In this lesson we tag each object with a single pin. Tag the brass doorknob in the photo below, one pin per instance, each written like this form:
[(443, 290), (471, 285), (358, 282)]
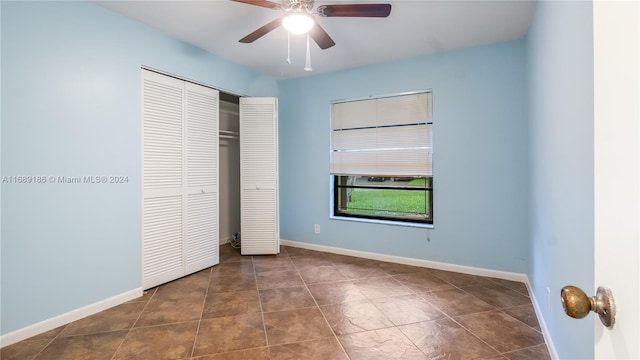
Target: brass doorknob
[(577, 304)]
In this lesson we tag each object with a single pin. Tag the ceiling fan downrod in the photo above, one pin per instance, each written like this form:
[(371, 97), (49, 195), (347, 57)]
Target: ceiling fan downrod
[(307, 64)]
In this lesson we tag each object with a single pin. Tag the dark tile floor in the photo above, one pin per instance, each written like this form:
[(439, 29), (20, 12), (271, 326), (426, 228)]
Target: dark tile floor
[(304, 304)]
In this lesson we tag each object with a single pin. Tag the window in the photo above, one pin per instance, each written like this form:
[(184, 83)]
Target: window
[(381, 158)]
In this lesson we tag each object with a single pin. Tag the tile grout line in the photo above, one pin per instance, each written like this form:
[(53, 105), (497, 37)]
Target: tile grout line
[(413, 292), (500, 309), (155, 289), (524, 348), (459, 324), (468, 330), (49, 343), (264, 323), (213, 294), (387, 275), (451, 317), (480, 312), (204, 301), (418, 295), (335, 337)]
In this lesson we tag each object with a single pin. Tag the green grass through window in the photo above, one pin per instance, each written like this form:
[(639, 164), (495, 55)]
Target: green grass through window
[(389, 202)]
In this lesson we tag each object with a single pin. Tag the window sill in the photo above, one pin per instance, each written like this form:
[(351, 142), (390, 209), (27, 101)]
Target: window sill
[(383, 222)]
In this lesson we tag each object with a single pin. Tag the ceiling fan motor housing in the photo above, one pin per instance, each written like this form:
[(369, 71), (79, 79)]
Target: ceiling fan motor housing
[(298, 5)]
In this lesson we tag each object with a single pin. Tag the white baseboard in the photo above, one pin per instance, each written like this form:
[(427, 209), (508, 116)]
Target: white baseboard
[(543, 325), (73, 315), (410, 261), (441, 266)]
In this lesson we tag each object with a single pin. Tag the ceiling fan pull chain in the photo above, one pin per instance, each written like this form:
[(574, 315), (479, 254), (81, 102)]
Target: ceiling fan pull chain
[(288, 48), (307, 65)]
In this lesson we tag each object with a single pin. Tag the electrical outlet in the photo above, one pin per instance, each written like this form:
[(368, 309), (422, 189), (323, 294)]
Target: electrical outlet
[(548, 298), (316, 228)]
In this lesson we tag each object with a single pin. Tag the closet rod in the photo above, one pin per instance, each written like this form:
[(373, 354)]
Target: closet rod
[(229, 137), (226, 132)]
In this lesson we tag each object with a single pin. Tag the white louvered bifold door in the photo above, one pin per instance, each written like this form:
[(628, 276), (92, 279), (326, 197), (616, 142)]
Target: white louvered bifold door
[(259, 229), (179, 178), (201, 214), (162, 179)]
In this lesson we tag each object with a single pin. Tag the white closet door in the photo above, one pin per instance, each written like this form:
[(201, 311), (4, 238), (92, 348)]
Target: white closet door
[(201, 213), (180, 178), (259, 227), (162, 179)]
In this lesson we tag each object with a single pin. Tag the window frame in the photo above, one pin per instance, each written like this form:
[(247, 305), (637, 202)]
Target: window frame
[(335, 205)]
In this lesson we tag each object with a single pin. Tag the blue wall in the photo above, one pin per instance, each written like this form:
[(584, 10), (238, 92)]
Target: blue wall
[(480, 157), (560, 62), (71, 107)]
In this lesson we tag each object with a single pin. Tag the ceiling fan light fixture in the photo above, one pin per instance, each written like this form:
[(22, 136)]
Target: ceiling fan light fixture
[(298, 23)]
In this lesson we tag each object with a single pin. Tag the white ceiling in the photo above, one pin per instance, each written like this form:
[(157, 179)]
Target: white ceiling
[(413, 28)]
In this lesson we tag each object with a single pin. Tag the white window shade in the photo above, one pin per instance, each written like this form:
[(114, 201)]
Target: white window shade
[(385, 136), (404, 109), (353, 114)]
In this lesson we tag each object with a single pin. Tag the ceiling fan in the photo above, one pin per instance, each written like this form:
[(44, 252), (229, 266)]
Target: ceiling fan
[(299, 18)]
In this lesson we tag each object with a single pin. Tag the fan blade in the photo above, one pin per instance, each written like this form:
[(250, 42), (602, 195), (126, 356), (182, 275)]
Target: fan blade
[(321, 37), (355, 10), (263, 3), (261, 31)]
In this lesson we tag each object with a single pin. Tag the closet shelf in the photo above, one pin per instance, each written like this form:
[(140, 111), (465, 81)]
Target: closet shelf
[(229, 134)]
